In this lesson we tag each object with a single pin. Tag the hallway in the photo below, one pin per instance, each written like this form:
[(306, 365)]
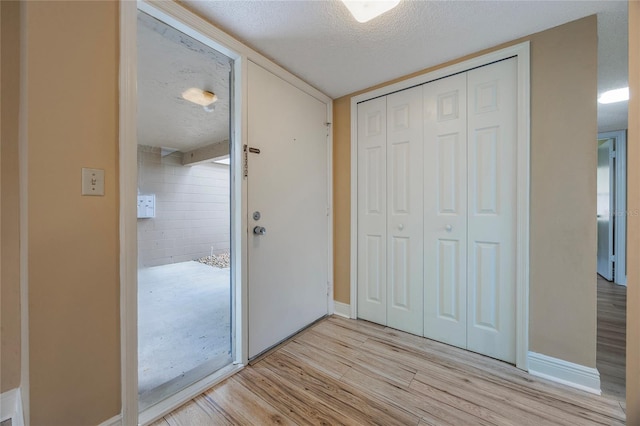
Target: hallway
[(610, 357)]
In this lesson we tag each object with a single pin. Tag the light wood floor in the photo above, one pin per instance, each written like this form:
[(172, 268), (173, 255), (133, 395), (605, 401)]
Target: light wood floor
[(351, 372), (612, 321)]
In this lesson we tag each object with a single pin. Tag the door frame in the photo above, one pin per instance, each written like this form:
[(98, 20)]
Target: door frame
[(619, 214), (522, 52), (178, 17)]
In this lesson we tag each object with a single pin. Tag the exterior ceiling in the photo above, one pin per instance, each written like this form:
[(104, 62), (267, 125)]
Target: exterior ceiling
[(320, 42), (170, 62)]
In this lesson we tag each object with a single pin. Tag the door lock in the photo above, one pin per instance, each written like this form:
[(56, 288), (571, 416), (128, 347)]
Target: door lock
[(259, 230)]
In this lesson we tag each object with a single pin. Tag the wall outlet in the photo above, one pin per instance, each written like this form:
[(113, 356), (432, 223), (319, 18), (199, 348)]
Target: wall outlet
[(92, 181)]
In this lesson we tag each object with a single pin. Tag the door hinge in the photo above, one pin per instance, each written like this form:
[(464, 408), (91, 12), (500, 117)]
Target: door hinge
[(245, 162), (612, 154), (612, 258), (328, 211)]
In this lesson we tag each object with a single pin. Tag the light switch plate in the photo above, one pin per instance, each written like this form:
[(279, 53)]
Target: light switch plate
[(92, 181)]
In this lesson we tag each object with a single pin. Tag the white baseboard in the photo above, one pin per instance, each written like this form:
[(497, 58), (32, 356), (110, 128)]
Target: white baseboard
[(342, 309), (565, 372), (113, 421), (11, 407)]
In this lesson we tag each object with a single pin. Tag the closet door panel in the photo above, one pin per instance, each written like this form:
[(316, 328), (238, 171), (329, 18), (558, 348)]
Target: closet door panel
[(404, 212), (372, 211), (445, 210), (492, 209)]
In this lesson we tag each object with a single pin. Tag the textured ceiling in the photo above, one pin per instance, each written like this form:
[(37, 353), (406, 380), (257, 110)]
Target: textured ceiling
[(320, 42), (170, 62)]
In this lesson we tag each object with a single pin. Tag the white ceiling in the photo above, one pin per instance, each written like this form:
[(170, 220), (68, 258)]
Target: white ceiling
[(321, 43), (170, 62)]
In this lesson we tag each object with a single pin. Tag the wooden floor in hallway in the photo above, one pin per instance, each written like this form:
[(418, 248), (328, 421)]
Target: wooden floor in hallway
[(612, 327), (350, 372)]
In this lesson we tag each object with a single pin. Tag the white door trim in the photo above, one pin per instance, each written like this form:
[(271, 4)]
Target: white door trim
[(180, 18), (128, 211), (521, 51)]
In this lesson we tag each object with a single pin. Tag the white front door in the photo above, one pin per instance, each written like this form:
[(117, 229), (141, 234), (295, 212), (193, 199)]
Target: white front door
[(287, 186), (491, 240)]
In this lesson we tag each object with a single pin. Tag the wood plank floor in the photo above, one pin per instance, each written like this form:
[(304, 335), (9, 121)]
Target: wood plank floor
[(350, 372), (612, 326)]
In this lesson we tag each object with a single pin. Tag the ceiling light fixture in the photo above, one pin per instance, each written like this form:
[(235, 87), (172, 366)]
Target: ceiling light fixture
[(617, 95), (200, 97), (365, 11)]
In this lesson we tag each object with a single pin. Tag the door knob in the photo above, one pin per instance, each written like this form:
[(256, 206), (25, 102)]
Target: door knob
[(401, 227), (449, 228), (259, 230)]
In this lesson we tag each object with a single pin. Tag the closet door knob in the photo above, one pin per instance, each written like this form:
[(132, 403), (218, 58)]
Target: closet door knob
[(401, 227), (449, 228)]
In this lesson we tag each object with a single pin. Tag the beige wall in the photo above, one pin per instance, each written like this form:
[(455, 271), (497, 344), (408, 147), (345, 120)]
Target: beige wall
[(341, 198), (72, 122), (563, 191), (633, 229), (9, 226)]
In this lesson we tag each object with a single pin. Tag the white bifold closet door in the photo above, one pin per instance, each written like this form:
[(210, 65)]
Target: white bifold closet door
[(445, 210), (390, 218), (491, 247), (437, 210), (372, 210), (470, 210)]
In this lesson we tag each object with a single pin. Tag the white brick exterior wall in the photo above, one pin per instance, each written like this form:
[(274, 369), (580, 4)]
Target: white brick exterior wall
[(192, 209)]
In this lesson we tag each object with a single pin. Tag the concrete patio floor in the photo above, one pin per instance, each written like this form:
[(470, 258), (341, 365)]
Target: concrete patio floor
[(184, 322)]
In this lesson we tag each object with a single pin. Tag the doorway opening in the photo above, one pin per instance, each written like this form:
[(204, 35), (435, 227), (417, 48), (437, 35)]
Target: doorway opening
[(185, 327), (611, 205), (611, 263)]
